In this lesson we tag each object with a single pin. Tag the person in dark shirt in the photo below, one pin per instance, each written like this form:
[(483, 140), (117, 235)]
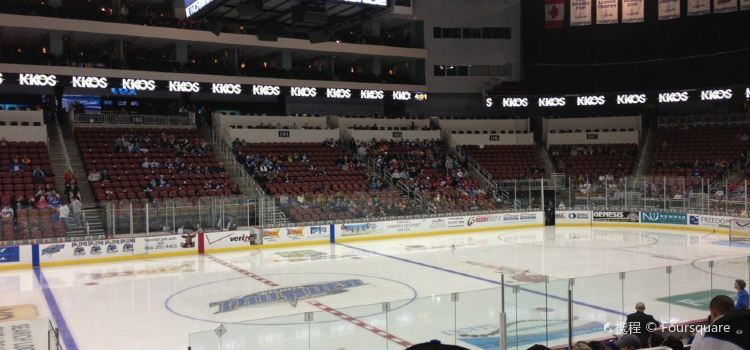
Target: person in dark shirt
[(742, 299), (641, 324)]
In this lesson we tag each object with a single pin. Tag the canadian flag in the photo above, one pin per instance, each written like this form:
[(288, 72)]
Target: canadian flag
[(554, 14)]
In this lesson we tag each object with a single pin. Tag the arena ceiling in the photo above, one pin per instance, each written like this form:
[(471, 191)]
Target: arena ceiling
[(296, 18)]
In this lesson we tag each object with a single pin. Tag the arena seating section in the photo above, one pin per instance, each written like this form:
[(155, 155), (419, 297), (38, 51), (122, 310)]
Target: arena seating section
[(322, 157), (702, 151), (29, 222), (421, 167), (507, 162), (126, 177), (594, 160), (320, 187)]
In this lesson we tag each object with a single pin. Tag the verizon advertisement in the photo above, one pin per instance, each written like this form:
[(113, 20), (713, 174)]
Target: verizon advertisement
[(715, 222), (231, 239)]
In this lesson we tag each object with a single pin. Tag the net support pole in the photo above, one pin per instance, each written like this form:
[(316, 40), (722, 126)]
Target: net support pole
[(664, 190), (606, 193), (502, 291), (541, 189), (745, 196), (148, 221), (726, 195), (570, 313), (503, 332)]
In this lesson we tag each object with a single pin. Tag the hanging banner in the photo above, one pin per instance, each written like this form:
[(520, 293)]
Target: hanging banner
[(744, 5), (607, 11), (632, 11), (698, 7), (724, 6), (669, 9), (580, 13), (554, 14)]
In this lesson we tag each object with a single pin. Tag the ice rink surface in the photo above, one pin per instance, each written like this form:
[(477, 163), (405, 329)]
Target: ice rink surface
[(387, 294)]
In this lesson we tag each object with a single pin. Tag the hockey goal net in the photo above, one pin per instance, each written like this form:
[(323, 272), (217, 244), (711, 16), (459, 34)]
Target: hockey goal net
[(739, 230)]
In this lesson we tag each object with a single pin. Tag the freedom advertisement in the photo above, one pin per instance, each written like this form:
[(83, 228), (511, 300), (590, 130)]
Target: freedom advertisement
[(86, 249), (664, 218), (572, 217), (709, 221), (616, 216)]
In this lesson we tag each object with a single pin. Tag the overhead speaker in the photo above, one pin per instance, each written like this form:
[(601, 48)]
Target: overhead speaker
[(319, 37), (217, 27), (312, 16), (249, 8), (270, 31)]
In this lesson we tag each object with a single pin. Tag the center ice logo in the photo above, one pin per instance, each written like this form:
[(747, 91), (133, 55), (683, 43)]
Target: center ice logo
[(287, 294)]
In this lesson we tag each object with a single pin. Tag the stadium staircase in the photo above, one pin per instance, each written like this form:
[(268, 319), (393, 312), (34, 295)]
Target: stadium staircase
[(271, 212), (646, 152), (64, 155), (549, 168)]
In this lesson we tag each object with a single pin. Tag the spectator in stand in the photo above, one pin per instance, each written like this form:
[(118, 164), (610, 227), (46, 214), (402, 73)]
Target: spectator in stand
[(55, 201), (38, 175), (94, 176), (41, 203), (538, 347), (629, 342), (68, 176), (15, 165), (7, 212), (722, 313), (64, 213), (742, 295), (641, 324), (673, 343), (163, 181), (71, 188), (656, 339), (76, 209)]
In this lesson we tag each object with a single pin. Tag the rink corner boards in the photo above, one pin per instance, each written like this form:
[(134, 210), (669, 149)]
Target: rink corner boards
[(724, 231), (154, 247)]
